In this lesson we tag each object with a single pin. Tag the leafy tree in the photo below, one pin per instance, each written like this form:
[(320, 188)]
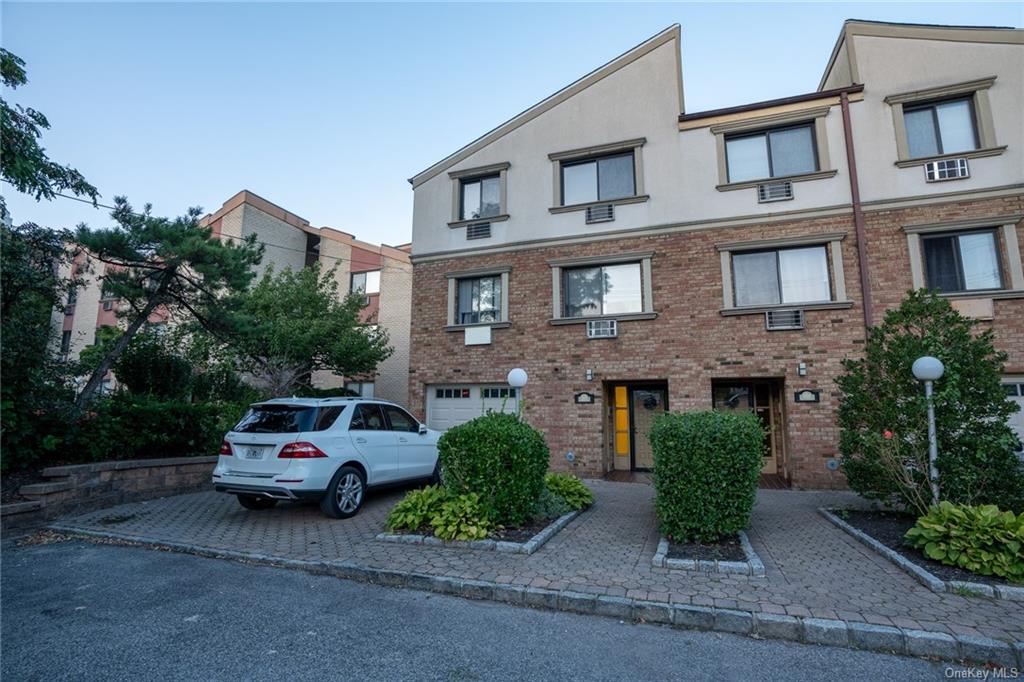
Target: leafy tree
[(883, 412), (35, 396), (291, 324), (24, 164), (161, 264), (151, 365)]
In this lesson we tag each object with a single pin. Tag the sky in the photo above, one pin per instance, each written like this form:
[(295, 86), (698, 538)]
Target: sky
[(327, 109)]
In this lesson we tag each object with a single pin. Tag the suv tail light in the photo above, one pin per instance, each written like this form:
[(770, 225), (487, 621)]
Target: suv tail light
[(301, 450), (225, 449)]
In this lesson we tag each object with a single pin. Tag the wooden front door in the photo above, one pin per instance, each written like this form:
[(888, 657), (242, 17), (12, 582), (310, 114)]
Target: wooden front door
[(633, 408), (755, 396)]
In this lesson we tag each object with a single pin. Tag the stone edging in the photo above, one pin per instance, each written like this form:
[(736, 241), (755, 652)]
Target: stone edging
[(829, 632), (528, 547), (753, 566), (923, 576)]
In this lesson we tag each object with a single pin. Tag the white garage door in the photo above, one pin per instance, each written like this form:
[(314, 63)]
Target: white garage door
[(1014, 387), (454, 404)]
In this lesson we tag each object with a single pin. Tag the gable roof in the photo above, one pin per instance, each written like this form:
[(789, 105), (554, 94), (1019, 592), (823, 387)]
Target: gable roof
[(886, 29), (669, 34)]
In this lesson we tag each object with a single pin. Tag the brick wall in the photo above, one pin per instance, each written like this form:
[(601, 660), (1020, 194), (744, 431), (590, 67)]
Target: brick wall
[(689, 344)]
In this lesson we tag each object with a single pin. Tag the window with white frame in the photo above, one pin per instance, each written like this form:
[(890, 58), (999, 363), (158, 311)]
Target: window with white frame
[(598, 179), (366, 282), (602, 290), (962, 261), (361, 388), (779, 152), (796, 275), (480, 197), (936, 128), (479, 299)]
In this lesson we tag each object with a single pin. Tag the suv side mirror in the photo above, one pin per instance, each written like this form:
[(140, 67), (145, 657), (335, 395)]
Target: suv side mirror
[(423, 429)]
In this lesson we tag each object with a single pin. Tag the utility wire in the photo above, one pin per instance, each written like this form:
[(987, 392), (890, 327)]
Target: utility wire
[(229, 236)]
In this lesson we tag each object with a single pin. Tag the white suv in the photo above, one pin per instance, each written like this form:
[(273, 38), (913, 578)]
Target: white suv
[(328, 449)]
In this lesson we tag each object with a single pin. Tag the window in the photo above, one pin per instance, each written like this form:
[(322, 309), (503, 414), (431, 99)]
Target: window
[(498, 392), (968, 261), (287, 419), (400, 420), (360, 388), (598, 179), (65, 344), (367, 417), (327, 417), (481, 198), (602, 290), (771, 153), (479, 300), (798, 275), (452, 393), (940, 127), (366, 282)]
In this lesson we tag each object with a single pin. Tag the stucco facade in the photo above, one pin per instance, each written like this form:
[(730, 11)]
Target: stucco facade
[(691, 341)]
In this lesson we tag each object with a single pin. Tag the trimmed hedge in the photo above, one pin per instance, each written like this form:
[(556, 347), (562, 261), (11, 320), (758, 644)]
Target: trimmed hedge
[(706, 467), (501, 458)]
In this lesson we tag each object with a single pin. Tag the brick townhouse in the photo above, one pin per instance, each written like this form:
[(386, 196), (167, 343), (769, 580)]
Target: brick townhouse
[(382, 272), (634, 257)]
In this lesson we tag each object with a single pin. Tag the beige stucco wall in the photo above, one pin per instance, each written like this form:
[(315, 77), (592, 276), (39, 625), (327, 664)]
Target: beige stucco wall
[(285, 244), (394, 315), (928, 64), (639, 100)]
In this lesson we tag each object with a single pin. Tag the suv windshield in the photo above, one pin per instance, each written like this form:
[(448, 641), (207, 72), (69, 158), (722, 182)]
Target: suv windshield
[(287, 418)]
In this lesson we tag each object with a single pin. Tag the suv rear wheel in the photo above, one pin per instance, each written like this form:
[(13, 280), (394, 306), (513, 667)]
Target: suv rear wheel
[(256, 502), (345, 495)]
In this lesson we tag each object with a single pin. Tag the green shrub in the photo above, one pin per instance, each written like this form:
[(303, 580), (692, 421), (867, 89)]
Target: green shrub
[(417, 508), (549, 505), (570, 489), (151, 364), (462, 517), (980, 539), (706, 467), (499, 457), (879, 395), (125, 426)]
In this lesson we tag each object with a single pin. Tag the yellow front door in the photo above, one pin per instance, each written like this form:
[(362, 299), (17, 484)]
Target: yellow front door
[(633, 411)]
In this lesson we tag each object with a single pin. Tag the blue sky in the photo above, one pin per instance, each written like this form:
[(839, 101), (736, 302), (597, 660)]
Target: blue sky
[(326, 109)]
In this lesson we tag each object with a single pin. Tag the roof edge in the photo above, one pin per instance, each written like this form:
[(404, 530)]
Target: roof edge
[(667, 35), (765, 104)]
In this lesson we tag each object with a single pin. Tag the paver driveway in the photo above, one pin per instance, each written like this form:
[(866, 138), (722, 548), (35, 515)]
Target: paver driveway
[(813, 569)]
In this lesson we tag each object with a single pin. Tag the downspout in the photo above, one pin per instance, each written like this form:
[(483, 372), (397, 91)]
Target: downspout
[(858, 213)]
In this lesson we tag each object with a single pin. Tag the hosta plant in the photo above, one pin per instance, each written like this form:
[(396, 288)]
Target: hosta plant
[(462, 517), (417, 508), (980, 539), (570, 489)]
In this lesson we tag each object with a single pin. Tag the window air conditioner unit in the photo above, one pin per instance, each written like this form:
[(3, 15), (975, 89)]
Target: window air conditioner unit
[(602, 329), (478, 231), (602, 213), (776, 320), (946, 169), (774, 191)]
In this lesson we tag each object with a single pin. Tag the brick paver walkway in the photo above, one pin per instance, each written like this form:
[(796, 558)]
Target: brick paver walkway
[(813, 568)]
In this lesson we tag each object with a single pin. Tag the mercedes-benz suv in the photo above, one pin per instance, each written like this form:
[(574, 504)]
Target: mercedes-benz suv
[(329, 450)]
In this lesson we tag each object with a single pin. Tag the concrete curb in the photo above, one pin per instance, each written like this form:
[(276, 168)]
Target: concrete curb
[(528, 547), (753, 566), (797, 629), (923, 576)]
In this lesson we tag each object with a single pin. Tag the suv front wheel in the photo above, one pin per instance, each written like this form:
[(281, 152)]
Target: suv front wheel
[(345, 495)]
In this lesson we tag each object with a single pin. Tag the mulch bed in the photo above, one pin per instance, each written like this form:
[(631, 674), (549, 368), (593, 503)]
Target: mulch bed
[(890, 527), (724, 549)]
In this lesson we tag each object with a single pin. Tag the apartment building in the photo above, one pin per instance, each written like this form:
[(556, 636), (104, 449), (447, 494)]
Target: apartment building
[(383, 273), (633, 256)]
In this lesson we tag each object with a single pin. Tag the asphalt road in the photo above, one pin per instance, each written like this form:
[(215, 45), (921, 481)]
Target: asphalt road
[(83, 611)]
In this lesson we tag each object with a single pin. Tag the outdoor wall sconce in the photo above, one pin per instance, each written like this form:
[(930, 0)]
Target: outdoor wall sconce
[(801, 369), (590, 375)]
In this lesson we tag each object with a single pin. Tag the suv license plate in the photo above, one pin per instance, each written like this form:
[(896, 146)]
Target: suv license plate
[(254, 453)]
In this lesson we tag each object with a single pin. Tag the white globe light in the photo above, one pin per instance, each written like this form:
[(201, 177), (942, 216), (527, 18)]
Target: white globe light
[(517, 378), (928, 368)]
